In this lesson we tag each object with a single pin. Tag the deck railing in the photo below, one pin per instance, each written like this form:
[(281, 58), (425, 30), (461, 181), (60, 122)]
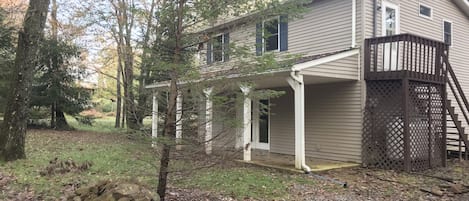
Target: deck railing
[(404, 56)]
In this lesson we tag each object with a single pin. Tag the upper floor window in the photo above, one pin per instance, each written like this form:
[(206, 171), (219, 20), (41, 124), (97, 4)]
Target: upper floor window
[(218, 48), (426, 11), (272, 35), (448, 32)]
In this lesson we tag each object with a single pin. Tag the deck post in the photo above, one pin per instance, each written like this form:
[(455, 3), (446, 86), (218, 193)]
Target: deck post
[(154, 119), (208, 120), (246, 123), (178, 121), (296, 82)]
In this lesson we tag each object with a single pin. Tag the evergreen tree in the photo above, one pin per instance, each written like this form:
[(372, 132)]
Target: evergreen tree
[(55, 84)]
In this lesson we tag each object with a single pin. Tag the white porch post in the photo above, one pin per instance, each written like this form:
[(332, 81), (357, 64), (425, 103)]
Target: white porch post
[(208, 120), (296, 82), (246, 123), (178, 120), (154, 119)]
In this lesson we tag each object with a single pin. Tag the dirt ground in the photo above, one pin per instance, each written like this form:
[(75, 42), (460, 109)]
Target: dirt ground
[(365, 184), (362, 184)]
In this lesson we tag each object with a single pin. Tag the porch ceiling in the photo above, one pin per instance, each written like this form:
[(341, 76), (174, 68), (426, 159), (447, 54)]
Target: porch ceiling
[(280, 80)]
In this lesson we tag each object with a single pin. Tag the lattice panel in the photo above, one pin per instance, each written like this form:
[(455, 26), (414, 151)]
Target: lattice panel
[(384, 137), (426, 126)]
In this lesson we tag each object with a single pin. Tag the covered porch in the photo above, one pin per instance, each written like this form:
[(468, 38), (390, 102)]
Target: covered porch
[(284, 141)]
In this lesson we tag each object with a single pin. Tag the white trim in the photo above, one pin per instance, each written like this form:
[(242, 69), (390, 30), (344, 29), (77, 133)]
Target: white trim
[(424, 16), (278, 35), (222, 48), (247, 119), (452, 31), (208, 120), (383, 13), (309, 64), (354, 23), (297, 84), (154, 119), (179, 120), (256, 117)]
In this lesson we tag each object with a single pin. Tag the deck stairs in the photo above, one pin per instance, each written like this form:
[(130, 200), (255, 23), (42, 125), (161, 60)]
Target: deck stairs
[(456, 104)]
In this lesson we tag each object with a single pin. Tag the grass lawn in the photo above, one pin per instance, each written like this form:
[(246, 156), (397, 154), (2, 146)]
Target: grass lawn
[(114, 156)]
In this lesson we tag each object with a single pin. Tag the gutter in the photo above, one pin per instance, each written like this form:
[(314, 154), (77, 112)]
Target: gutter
[(354, 23), (375, 16), (299, 80)]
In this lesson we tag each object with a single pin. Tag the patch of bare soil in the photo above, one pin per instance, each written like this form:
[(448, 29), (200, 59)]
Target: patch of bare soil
[(176, 194), (114, 191), (450, 183)]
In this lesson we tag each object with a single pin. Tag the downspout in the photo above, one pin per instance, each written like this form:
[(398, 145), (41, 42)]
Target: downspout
[(354, 23), (300, 82), (375, 16)]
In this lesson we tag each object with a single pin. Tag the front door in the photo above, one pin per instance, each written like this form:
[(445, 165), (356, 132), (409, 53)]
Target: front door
[(261, 125), (390, 26)]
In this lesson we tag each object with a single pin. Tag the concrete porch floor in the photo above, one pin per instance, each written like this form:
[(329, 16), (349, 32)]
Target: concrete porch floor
[(287, 162)]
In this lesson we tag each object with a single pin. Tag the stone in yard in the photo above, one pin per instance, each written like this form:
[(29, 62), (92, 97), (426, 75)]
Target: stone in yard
[(456, 188), (114, 191), (437, 191)]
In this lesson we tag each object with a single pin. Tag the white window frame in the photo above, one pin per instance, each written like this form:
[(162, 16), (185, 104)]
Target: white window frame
[(222, 48), (424, 16), (398, 17), (256, 125), (264, 46), (452, 31)]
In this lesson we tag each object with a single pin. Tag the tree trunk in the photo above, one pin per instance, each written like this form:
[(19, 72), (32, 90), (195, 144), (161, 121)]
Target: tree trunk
[(13, 133), (119, 93), (61, 123), (170, 124), (143, 94), (169, 131), (53, 124)]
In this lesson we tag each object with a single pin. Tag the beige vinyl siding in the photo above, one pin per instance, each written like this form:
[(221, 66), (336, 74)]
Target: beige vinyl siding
[(411, 22), (224, 128), (333, 122), (346, 68), (326, 27)]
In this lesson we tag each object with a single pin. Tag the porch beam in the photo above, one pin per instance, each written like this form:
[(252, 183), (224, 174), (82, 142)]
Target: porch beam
[(154, 119), (208, 120), (246, 123), (178, 120), (296, 82)]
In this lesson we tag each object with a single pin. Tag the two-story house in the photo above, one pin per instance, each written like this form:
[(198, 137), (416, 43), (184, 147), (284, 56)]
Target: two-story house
[(370, 87)]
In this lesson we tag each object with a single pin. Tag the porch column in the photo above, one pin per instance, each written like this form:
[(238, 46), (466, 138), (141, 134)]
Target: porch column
[(296, 82), (154, 119), (178, 120), (208, 120), (246, 123)]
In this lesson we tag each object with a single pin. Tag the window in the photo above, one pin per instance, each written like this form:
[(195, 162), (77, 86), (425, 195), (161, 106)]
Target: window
[(218, 49), (426, 11), (272, 35), (448, 32)]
